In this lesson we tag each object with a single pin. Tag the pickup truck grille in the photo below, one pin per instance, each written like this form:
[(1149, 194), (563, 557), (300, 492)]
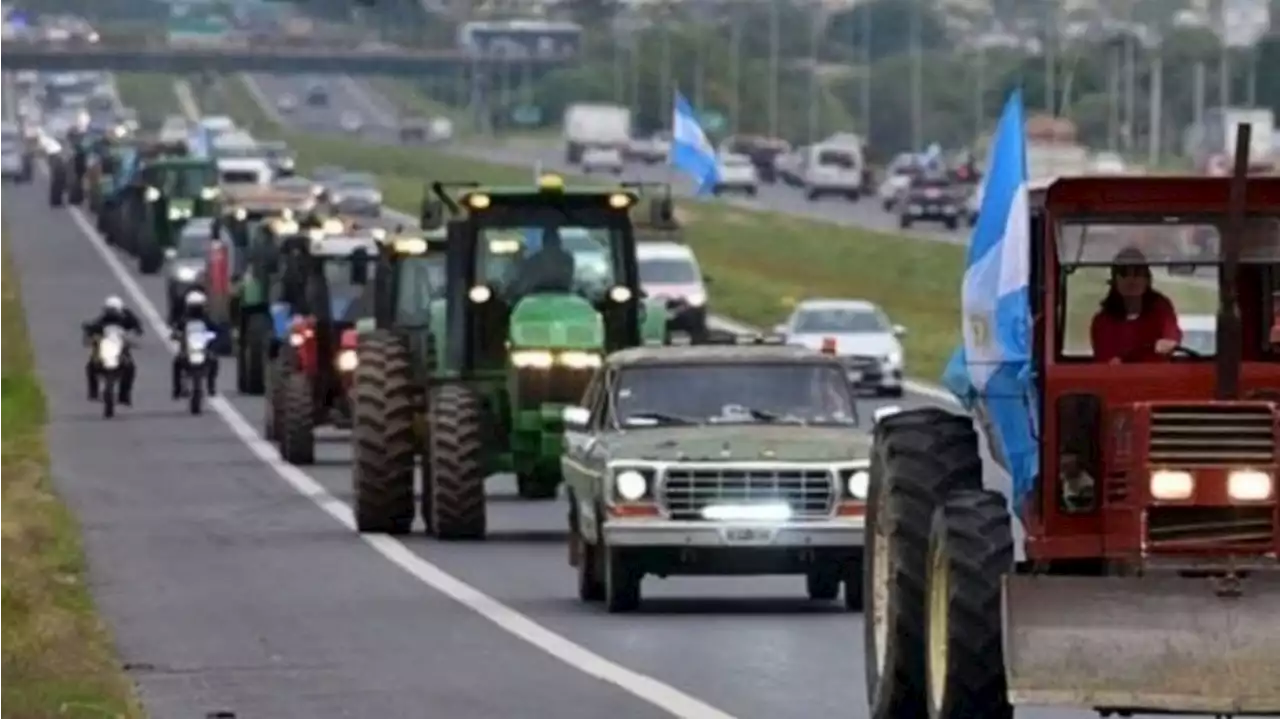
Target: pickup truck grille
[(1212, 436), (686, 490)]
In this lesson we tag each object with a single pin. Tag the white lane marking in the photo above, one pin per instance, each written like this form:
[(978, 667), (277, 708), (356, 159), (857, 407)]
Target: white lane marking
[(646, 688), (186, 99)]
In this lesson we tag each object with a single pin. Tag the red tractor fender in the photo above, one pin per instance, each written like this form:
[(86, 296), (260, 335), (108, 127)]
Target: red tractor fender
[(302, 340), (348, 339)]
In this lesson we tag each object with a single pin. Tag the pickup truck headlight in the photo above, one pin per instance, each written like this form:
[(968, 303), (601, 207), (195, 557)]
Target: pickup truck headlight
[(632, 484)]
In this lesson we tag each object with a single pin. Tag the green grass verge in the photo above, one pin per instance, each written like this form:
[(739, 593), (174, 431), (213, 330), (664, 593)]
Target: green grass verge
[(58, 658), (150, 93), (760, 263)]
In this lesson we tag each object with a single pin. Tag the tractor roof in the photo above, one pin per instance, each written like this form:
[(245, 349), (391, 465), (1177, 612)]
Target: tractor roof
[(717, 354)]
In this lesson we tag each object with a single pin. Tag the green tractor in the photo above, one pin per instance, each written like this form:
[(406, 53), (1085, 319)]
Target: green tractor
[(173, 190), (517, 335)]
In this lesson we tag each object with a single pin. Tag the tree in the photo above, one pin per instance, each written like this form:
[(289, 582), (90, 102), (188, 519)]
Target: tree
[(891, 23)]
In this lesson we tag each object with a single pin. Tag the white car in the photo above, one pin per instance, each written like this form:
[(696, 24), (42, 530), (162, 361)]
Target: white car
[(650, 150), (669, 272), (1108, 163), (832, 170), (602, 159), (737, 174), (859, 333), (287, 103), (351, 122)]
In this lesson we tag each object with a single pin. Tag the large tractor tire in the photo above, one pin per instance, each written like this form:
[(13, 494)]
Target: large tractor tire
[(252, 355), (57, 186), (150, 257), (918, 459), (75, 193), (383, 435), (970, 551), (297, 418), (457, 463), (273, 391)]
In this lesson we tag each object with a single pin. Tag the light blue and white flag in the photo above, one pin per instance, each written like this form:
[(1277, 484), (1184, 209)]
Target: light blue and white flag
[(992, 371), (691, 152)]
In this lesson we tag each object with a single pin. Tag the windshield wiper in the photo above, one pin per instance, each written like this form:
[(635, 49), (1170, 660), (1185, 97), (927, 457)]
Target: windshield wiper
[(661, 418)]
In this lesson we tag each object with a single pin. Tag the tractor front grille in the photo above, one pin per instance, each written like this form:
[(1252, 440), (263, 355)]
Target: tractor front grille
[(685, 490), (1188, 528), (1212, 436), (555, 385)]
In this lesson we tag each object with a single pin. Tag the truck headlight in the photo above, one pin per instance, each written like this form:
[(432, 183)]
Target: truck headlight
[(532, 359), (179, 213), (347, 361), (631, 485), (1169, 484), (1248, 485), (858, 483), (578, 360)]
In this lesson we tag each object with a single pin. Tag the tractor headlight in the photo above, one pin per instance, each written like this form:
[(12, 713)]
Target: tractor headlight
[(241, 214), (196, 357), (532, 359), (1249, 485), (480, 294), (297, 339), (210, 193), (347, 361), (631, 485), (179, 213), (1167, 484), (152, 194), (578, 360), (620, 294)]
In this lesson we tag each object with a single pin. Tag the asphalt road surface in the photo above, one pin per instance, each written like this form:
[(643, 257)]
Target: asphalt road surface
[(233, 581), (347, 94)]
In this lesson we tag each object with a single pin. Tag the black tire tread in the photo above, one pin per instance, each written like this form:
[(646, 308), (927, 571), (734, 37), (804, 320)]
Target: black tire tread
[(382, 436), (458, 470), (297, 420), (918, 458), (974, 532)]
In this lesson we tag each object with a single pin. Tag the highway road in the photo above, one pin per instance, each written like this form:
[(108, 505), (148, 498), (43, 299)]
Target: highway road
[(381, 118), (234, 581)]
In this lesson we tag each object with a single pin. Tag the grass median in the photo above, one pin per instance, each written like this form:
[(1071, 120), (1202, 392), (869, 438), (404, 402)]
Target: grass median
[(760, 263), (58, 658)]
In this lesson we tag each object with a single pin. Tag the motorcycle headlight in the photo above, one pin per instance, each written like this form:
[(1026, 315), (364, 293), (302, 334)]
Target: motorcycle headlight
[(347, 361), (196, 357), (187, 274)]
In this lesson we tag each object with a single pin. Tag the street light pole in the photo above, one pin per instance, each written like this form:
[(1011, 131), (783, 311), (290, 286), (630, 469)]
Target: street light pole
[(775, 50), (917, 80), (864, 52)]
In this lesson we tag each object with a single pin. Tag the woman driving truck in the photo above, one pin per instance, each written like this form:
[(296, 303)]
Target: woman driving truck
[(1135, 322)]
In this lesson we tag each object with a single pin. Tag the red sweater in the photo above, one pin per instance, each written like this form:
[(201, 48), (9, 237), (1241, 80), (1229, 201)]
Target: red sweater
[(1134, 340)]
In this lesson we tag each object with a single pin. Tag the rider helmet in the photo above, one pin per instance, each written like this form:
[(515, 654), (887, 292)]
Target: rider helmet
[(113, 303)]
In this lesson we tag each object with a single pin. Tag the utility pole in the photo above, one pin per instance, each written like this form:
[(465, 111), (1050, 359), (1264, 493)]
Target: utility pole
[(864, 52), (668, 93), (917, 80), (1051, 61), (980, 93), (815, 99), (1130, 89), (775, 50), (735, 70), (1198, 93), (1155, 127), (1113, 99)]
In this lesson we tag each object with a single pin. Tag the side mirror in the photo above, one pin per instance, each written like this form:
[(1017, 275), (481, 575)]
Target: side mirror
[(170, 253), (576, 417), (884, 412), (899, 331)]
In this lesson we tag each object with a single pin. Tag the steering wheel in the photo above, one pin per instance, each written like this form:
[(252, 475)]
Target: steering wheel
[(1184, 351)]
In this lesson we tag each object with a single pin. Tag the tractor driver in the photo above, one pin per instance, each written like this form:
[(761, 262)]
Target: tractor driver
[(1135, 322), (549, 269)]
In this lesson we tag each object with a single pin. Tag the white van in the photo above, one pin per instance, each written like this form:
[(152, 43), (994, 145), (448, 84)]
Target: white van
[(833, 170)]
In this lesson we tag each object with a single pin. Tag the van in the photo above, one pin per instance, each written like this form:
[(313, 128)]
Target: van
[(833, 170)]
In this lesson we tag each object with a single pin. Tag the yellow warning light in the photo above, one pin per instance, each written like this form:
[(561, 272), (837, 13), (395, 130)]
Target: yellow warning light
[(479, 201), (619, 201), (551, 183)]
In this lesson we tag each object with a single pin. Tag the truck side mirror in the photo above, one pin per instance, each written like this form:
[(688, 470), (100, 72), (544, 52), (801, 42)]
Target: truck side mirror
[(432, 214), (576, 417)]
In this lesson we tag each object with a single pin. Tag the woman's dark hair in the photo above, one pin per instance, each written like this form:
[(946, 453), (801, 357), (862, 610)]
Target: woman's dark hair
[(1113, 304)]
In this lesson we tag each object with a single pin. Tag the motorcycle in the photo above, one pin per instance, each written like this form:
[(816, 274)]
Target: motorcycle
[(110, 357), (197, 338)]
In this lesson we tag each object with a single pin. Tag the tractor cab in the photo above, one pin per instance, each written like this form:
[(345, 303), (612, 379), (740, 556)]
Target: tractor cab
[(653, 216), (324, 286), (167, 192)]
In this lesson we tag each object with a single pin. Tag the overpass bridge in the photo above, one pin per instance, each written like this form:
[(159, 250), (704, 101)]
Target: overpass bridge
[(283, 59)]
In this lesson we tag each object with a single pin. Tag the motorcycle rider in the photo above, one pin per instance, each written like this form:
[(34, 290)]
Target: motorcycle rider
[(114, 313), (193, 310)]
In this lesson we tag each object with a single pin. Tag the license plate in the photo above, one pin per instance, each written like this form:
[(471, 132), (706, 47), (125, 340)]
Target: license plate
[(748, 535)]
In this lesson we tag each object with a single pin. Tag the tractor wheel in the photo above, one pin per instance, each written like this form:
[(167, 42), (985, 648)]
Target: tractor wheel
[(75, 194), (57, 188), (457, 463), (297, 420), (424, 428), (251, 355), (970, 551), (150, 259), (918, 459), (273, 391), (383, 436)]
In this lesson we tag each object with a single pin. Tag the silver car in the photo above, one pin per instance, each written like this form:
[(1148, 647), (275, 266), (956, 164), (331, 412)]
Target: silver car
[(187, 261), (355, 193)]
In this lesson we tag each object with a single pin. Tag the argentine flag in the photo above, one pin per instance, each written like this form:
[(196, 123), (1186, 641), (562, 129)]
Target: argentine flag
[(691, 152), (991, 373)]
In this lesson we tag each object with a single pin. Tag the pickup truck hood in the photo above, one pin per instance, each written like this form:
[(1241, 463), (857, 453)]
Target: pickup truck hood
[(744, 443)]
